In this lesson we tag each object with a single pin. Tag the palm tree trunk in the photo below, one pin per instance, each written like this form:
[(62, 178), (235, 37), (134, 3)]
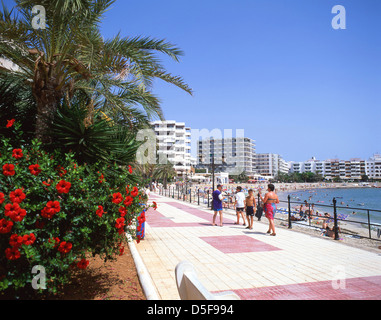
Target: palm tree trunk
[(47, 98), (45, 115)]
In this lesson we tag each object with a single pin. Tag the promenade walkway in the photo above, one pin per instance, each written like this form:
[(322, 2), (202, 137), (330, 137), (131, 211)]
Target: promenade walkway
[(251, 263)]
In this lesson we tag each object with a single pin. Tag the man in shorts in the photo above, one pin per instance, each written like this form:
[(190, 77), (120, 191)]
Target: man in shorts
[(240, 205), (250, 205), (217, 204)]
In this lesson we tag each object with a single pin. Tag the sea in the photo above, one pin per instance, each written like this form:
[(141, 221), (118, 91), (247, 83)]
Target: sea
[(354, 202)]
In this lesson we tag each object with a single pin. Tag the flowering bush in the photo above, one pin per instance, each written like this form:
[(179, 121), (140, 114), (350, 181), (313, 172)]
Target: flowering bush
[(55, 213)]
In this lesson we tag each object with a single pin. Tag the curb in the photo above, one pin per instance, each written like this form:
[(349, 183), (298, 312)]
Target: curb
[(143, 274)]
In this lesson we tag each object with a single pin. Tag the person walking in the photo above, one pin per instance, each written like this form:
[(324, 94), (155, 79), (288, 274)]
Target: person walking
[(217, 204), (239, 204), (250, 204), (269, 206)]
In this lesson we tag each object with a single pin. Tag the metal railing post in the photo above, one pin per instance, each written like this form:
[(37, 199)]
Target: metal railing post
[(336, 229), (370, 233), (289, 212)]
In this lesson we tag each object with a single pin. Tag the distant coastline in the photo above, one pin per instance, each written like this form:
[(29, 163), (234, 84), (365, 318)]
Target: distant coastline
[(300, 186)]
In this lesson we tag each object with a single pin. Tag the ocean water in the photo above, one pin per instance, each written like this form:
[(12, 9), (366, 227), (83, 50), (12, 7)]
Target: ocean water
[(353, 202)]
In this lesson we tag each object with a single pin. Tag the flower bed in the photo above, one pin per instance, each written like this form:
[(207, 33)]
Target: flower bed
[(55, 214)]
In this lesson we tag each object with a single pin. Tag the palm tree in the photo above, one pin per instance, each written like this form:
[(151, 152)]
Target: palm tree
[(145, 171), (164, 172), (71, 56)]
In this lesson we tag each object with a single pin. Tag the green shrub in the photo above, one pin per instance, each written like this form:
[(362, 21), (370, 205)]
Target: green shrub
[(55, 213)]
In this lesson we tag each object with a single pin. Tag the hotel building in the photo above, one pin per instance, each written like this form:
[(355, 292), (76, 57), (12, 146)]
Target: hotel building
[(332, 168), (373, 167), (232, 155), (269, 164), (174, 141)]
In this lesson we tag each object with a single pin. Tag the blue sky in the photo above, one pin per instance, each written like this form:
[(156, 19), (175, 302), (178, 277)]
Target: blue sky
[(275, 68)]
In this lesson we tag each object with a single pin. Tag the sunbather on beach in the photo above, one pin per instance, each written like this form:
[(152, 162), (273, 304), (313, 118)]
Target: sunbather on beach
[(303, 210), (325, 219), (330, 232)]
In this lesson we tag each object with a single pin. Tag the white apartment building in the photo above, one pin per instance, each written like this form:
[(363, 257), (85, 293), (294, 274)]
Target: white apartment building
[(269, 164), (174, 141), (232, 155), (332, 168), (373, 167)]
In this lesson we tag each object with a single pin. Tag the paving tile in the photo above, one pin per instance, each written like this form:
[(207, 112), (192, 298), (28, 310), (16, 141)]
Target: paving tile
[(255, 265), (238, 244)]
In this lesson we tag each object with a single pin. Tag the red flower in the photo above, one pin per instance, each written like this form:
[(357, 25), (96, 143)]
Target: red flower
[(12, 253), (10, 123), (46, 184), (52, 207), (154, 205), (100, 211), (5, 226), (9, 169), (61, 171), (29, 239), (117, 198), (17, 196), (123, 211), (11, 209), (2, 197), (119, 223), (142, 218), (14, 212), (65, 247), (15, 240), (128, 201), (134, 192), (35, 169), (101, 178), (121, 250), (83, 264), (17, 154), (63, 186), (56, 241), (129, 169)]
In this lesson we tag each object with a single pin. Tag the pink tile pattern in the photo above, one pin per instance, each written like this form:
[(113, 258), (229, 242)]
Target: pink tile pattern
[(156, 219), (364, 288), (238, 244)]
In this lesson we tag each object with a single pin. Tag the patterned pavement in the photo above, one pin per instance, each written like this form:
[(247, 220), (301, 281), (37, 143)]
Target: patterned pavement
[(251, 263)]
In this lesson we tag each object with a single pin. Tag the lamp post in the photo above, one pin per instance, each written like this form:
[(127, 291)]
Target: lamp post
[(213, 167), (212, 157)]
